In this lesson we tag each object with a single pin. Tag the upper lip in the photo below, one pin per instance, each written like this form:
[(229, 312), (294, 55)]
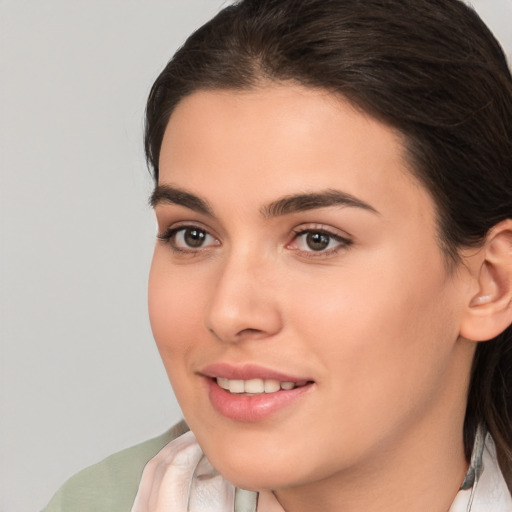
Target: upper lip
[(247, 372)]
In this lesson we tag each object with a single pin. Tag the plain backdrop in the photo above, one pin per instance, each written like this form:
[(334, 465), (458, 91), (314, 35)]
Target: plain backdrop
[(80, 377)]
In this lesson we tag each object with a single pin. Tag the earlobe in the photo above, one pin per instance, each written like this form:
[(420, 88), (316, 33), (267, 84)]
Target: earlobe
[(489, 310)]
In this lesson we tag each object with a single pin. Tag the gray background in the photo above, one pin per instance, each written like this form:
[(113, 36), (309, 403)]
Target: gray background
[(79, 375)]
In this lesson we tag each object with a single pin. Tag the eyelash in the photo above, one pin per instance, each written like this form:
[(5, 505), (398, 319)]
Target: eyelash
[(342, 242), (169, 237)]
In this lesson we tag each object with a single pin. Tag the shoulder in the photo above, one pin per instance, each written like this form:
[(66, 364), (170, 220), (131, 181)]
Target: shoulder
[(110, 485)]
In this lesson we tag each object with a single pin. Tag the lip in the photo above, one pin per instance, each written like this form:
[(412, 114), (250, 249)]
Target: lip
[(251, 408), (249, 371)]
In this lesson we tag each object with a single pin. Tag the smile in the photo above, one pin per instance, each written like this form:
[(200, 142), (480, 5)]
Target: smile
[(256, 386), (251, 392)]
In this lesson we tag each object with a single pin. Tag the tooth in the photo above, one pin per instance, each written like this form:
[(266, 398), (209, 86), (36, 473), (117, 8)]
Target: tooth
[(254, 386), (223, 383), (236, 386), (271, 386)]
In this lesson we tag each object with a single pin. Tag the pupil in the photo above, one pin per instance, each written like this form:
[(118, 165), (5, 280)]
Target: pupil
[(317, 241), (194, 237)]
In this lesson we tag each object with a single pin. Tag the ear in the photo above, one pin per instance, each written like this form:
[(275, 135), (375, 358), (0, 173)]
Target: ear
[(489, 310)]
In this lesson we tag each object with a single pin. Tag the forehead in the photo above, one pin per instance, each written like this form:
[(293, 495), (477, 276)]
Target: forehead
[(281, 139)]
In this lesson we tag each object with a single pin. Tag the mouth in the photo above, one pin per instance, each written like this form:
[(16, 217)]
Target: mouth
[(252, 387), (251, 393)]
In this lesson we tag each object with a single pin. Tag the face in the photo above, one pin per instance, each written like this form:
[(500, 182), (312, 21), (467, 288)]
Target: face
[(298, 297)]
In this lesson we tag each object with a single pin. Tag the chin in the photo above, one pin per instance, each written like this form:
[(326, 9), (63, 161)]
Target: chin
[(254, 456), (257, 469)]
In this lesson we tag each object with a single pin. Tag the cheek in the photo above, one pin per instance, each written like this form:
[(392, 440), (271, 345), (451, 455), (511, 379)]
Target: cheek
[(384, 336), (175, 306)]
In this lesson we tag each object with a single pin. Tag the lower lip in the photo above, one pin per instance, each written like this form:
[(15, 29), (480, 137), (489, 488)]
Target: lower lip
[(253, 408)]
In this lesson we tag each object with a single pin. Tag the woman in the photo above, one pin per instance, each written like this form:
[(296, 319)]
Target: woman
[(331, 289)]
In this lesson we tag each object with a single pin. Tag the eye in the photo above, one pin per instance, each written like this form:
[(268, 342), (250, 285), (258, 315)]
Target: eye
[(188, 238), (320, 241)]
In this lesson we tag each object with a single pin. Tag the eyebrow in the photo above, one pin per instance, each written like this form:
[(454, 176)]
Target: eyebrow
[(310, 201), (165, 194)]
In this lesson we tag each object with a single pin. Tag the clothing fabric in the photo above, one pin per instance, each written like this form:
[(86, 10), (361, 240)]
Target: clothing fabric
[(115, 484), (180, 478), (111, 485)]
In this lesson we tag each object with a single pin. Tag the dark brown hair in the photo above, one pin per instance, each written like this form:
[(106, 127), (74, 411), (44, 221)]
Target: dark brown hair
[(429, 68)]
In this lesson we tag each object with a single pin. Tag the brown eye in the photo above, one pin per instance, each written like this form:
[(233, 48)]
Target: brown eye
[(317, 241), (188, 239), (194, 237)]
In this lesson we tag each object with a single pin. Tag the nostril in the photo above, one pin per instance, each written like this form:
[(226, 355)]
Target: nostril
[(249, 331), (238, 336)]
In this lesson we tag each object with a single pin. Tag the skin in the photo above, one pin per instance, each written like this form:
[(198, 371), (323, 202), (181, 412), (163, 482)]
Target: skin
[(373, 322)]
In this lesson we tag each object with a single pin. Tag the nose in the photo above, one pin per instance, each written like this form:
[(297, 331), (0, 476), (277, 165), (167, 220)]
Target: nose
[(244, 302)]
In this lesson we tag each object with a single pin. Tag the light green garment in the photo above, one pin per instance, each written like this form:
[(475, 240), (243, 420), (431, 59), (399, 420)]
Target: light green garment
[(110, 485)]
